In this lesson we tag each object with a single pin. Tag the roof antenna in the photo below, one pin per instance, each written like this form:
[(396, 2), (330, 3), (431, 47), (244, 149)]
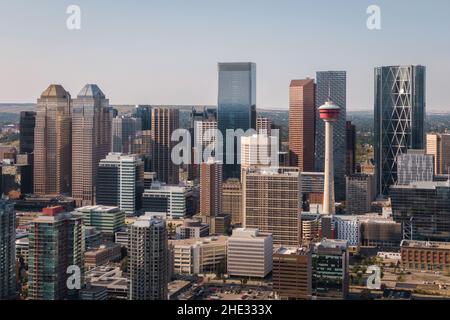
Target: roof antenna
[(329, 90)]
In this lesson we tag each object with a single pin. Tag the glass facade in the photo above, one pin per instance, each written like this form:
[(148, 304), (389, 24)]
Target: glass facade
[(236, 106), (399, 118)]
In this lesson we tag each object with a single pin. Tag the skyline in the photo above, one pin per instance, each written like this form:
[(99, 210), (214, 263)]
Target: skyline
[(143, 44)]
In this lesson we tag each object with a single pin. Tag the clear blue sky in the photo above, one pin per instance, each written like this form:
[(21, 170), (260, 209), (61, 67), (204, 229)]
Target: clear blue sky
[(166, 51)]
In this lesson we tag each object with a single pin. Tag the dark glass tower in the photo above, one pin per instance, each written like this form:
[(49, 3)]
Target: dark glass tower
[(145, 114), (399, 118), (236, 106), (26, 137)]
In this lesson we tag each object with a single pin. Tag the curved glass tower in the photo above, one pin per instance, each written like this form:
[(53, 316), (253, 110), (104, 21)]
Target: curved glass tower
[(399, 118)]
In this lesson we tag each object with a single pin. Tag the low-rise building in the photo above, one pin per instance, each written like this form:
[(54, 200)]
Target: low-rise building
[(107, 220), (425, 255), (192, 229), (104, 254)]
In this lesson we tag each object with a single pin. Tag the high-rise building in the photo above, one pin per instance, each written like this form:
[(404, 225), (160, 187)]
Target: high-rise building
[(164, 122), (211, 188), (350, 130), (175, 201), (292, 273), (423, 208), (56, 243), (256, 151), (330, 261), (145, 114), (232, 200), (91, 141), (120, 182), (148, 259), (107, 220), (271, 203), (124, 131), (53, 142), (438, 145), (236, 108), (249, 253), (332, 85), (360, 189), (399, 118), (302, 113), (264, 126), (414, 166), (8, 250), (26, 137)]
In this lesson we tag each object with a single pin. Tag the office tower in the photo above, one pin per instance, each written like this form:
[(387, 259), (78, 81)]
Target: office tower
[(120, 182), (348, 228), (107, 220), (399, 118), (8, 250), (205, 140), (438, 145), (164, 122), (332, 85), (350, 130), (380, 232), (199, 256), (145, 114), (56, 242), (16, 179), (249, 253), (211, 188), (361, 191), (264, 126), (26, 137), (271, 203), (236, 108), (302, 113), (91, 141), (329, 113), (232, 200), (292, 273), (311, 190), (423, 208), (330, 261), (148, 259), (53, 142), (414, 166), (256, 151), (175, 201), (124, 132)]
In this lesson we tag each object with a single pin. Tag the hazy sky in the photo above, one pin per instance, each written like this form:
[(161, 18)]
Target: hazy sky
[(166, 51)]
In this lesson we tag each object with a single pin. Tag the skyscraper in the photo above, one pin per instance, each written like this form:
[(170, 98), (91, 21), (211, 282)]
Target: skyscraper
[(164, 122), (399, 118), (236, 107), (7, 250), (332, 85), (91, 141), (438, 145), (302, 109), (210, 188), (148, 259), (350, 163), (26, 137), (264, 126), (271, 203), (124, 132), (360, 193), (145, 114), (120, 182), (53, 142), (232, 200), (415, 166), (56, 242)]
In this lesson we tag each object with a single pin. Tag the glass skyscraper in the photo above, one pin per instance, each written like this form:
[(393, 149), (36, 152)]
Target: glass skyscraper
[(236, 106), (399, 118)]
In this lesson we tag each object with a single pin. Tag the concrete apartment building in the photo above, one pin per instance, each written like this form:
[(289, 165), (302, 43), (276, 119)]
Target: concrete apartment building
[(249, 253)]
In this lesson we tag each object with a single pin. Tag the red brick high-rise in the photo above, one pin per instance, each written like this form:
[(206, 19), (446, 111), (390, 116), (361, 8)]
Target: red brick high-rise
[(302, 109)]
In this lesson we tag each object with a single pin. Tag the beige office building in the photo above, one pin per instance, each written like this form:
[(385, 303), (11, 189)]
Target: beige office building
[(271, 203), (91, 141), (52, 142), (232, 200), (438, 145), (199, 256), (250, 253)]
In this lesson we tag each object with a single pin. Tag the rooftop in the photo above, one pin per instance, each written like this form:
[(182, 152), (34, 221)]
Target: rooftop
[(55, 91), (425, 244), (91, 90)]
